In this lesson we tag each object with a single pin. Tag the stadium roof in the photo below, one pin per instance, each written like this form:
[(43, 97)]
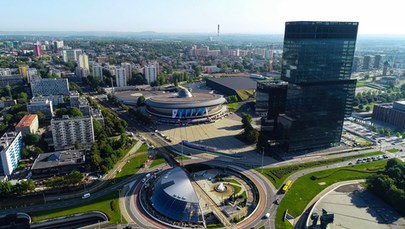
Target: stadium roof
[(236, 83)]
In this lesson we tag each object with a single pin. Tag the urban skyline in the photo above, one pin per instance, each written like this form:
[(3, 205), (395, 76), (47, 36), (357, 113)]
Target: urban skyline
[(168, 17)]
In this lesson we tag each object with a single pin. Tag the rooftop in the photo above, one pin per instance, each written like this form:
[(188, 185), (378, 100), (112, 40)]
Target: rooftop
[(176, 184), (26, 120), (59, 158), (236, 82)]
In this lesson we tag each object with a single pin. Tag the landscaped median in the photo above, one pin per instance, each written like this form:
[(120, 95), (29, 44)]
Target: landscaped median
[(305, 188), (278, 175), (108, 204)]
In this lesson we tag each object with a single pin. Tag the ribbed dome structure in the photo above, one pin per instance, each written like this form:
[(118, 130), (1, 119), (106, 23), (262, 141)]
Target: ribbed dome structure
[(174, 197), (184, 93)]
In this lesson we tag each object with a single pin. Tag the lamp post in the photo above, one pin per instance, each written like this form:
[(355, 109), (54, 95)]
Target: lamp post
[(262, 157), (119, 197)]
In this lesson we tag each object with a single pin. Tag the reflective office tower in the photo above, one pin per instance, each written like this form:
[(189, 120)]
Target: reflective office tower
[(317, 63)]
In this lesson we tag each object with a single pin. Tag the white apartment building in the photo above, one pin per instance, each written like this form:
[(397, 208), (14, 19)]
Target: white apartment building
[(120, 77), (97, 71), (67, 131), (151, 72)]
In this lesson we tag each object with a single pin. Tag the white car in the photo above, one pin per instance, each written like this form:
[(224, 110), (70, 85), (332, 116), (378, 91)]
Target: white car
[(267, 215)]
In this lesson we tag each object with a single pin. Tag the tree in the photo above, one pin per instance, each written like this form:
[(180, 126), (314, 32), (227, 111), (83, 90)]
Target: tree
[(74, 177), (375, 129), (22, 98), (140, 101), (361, 106), (5, 188), (368, 108), (398, 135), (31, 139), (246, 120), (75, 112), (41, 117), (99, 130)]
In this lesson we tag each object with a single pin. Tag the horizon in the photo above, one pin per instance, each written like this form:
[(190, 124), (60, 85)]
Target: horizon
[(193, 16)]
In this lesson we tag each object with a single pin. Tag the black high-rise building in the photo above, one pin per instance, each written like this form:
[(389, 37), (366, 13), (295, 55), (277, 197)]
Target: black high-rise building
[(317, 63)]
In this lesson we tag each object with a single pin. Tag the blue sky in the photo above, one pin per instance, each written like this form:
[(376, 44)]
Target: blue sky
[(196, 16)]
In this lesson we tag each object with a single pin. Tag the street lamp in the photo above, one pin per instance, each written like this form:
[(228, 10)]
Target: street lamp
[(119, 197), (262, 157)]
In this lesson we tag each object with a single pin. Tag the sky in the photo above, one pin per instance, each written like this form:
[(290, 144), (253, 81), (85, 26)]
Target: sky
[(197, 16)]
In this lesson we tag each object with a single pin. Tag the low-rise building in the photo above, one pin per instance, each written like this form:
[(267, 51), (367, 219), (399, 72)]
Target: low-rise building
[(58, 163), (11, 145), (28, 124), (50, 87), (42, 105), (393, 114), (67, 131)]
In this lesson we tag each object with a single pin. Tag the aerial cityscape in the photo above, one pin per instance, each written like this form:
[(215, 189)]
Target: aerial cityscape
[(202, 114)]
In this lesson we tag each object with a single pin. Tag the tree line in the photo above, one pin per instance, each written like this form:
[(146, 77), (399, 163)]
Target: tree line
[(390, 184)]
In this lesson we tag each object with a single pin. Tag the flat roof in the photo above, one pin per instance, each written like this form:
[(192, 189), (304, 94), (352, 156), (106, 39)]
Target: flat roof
[(26, 120), (59, 158), (236, 82)]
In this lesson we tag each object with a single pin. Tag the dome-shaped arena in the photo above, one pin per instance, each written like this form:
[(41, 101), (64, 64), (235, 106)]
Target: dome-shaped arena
[(185, 105), (174, 197)]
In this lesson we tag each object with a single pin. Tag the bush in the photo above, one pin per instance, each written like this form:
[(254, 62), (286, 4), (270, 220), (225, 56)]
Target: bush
[(112, 205)]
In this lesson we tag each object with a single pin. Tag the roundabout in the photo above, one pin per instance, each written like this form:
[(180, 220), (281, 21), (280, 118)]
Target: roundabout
[(212, 194)]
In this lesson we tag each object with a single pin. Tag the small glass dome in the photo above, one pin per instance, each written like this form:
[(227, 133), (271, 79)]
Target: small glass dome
[(184, 93)]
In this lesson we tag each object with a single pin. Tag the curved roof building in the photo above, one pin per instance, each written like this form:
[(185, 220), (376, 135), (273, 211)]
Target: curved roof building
[(174, 197), (184, 105)]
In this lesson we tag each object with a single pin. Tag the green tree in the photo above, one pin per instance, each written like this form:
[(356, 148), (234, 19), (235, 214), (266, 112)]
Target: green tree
[(41, 117), (22, 98), (99, 132), (5, 188), (140, 101), (31, 139), (74, 177), (75, 112), (398, 135), (246, 120)]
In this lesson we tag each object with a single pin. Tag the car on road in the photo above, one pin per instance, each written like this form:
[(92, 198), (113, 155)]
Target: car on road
[(85, 196), (267, 215)]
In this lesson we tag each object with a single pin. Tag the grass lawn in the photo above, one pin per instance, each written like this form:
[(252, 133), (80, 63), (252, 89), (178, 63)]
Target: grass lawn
[(232, 107), (360, 84), (236, 188), (181, 157), (218, 225), (102, 204), (158, 160), (278, 175), (304, 189), (231, 180), (393, 150), (131, 167), (143, 148)]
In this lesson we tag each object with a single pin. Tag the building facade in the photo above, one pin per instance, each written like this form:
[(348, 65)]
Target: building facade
[(42, 105), (50, 87), (151, 73), (120, 77), (11, 145), (28, 124), (37, 50), (83, 61), (97, 71), (317, 64), (67, 131), (128, 70), (71, 54), (393, 114)]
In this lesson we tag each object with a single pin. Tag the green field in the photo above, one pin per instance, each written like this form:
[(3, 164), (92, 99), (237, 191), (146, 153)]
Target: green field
[(304, 189), (393, 150), (158, 160), (131, 167), (143, 148), (361, 84), (278, 175), (233, 107), (181, 157), (102, 204)]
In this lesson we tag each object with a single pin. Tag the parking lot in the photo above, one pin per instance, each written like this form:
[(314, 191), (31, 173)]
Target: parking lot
[(355, 207)]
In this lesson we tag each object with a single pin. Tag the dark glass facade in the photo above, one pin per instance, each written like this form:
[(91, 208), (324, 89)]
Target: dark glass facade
[(317, 63)]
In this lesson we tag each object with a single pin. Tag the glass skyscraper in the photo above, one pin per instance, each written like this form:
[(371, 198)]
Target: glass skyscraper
[(317, 63)]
